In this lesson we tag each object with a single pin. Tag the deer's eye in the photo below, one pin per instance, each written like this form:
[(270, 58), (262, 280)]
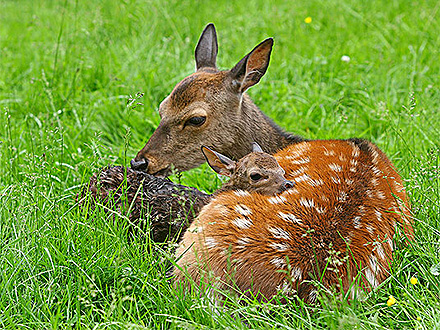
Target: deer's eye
[(195, 121), (255, 176)]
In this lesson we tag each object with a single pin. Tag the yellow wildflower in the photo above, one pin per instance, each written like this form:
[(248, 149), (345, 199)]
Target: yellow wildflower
[(419, 318), (413, 281), (308, 20), (391, 301)]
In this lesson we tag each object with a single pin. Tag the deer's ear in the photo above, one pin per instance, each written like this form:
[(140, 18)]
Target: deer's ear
[(253, 66), (206, 49), (218, 162)]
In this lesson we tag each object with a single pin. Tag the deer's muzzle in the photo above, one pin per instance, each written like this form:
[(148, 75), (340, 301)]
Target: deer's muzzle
[(139, 165)]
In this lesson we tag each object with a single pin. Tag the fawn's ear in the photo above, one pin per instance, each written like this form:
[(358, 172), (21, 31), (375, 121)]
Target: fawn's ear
[(218, 162), (256, 147), (253, 66), (206, 49)]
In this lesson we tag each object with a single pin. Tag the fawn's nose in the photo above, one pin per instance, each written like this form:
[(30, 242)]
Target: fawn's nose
[(139, 165), (287, 184)]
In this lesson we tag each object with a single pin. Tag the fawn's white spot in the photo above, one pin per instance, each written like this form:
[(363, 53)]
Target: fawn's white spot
[(362, 209), (303, 146), (279, 233), (371, 278), (355, 153), (294, 155), (353, 169), (380, 251), (390, 243), (397, 186), (324, 198), (335, 167), (210, 242), (370, 229), (243, 241), (369, 193), (289, 217), (278, 262), (380, 194), (374, 181), (329, 152), (299, 150), (349, 181), (312, 296), (296, 273), (374, 265), (243, 223), (286, 287), (307, 202), (223, 210), (241, 193), (277, 200), (304, 177), (342, 196), (280, 246), (378, 215), (291, 191), (243, 210), (320, 209), (376, 171), (304, 160), (375, 156), (335, 180), (317, 182), (353, 162), (298, 171), (357, 222), (342, 158)]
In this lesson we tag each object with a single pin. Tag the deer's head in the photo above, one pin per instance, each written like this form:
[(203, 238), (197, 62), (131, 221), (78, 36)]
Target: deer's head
[(204, 109)]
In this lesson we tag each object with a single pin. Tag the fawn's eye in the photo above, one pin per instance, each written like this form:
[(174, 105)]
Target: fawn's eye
[(195, 121), (255, 176)]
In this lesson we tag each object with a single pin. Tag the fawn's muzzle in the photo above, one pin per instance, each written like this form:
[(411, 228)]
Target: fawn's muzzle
[(286, 185)]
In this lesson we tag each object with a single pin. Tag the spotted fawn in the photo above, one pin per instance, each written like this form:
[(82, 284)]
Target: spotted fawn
[(336, 225)]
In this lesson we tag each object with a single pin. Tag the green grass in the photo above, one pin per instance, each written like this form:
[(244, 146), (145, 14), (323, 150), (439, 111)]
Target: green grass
[(67, 69)]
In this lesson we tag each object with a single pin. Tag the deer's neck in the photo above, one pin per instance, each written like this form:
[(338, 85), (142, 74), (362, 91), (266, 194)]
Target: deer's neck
[(255, 126)]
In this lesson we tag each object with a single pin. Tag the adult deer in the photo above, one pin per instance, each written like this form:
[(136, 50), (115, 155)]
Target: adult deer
[(336, 225)]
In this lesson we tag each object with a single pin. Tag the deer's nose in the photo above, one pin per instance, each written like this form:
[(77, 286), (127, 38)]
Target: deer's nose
[(139, 165)]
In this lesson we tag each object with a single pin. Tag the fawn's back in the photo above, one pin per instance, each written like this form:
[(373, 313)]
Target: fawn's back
[(335, 225)]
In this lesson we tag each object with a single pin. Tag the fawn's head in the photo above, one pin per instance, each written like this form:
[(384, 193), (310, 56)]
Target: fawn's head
[(204, 109), (255, 172)]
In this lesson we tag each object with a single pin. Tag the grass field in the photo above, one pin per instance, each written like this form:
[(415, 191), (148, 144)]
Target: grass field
[(67, 71)]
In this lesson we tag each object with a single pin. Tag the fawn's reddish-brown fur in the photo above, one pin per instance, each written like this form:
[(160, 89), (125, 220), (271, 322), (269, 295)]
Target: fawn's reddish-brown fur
[(335, 225)]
